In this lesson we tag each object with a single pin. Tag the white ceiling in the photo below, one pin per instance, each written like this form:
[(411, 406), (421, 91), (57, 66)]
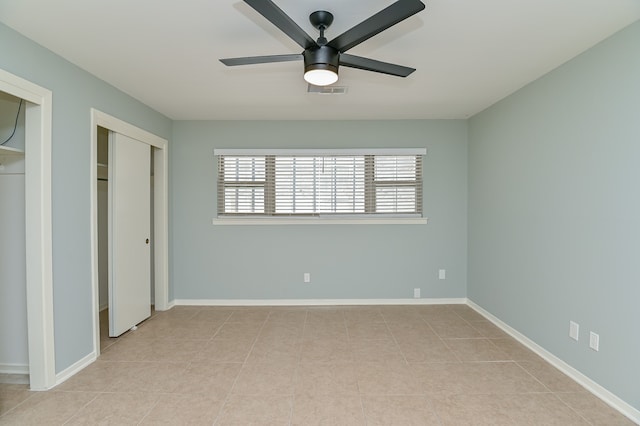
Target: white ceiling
[(468, 53)]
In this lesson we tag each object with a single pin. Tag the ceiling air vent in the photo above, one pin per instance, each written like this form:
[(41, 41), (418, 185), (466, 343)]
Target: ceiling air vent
[(327, 90)]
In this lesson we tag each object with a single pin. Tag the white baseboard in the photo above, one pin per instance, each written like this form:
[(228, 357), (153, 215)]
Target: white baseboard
[(103, 307), (605, 395), (315, 302), (14, 369), (75, 368)]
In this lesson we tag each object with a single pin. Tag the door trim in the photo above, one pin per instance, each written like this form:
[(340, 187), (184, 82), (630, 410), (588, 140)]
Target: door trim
[(38, 240), (160, 207)]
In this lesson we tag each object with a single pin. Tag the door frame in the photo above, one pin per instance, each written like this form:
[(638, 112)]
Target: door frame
[(160, 211), (38, 240)]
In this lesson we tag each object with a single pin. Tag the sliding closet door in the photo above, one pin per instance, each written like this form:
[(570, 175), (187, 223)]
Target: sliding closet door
[(129, 229)]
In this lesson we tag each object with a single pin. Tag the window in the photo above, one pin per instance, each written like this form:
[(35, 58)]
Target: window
[(320, 183)]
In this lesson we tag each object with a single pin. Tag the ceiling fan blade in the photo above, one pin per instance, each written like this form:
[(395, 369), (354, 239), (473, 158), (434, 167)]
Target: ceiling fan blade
[(398, 11), (248, 60), (277, 17), (373, 65)]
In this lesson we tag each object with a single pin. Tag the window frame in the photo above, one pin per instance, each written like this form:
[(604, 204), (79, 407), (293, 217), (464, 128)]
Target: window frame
[(320, 218)]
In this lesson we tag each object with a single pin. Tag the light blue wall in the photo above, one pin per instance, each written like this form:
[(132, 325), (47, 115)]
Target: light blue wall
[(554, 205), (352, 262), (74, 93)]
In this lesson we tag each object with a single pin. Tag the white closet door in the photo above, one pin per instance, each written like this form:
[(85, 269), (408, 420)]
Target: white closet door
[(129, 233)]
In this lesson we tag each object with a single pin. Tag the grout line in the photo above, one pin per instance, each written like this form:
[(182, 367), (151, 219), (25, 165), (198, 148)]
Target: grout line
[(150, 410), (81, 408), (555, 394), (230, 393)]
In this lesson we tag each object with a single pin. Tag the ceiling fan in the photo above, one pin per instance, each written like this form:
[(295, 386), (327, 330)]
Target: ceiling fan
[(321, 57)]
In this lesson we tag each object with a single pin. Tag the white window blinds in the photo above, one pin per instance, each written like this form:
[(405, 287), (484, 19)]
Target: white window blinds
[(319, 183)]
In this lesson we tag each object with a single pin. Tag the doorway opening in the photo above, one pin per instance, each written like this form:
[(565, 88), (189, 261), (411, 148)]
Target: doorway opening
[(14, 347), (103, 126), (37, 205), (105, 301)]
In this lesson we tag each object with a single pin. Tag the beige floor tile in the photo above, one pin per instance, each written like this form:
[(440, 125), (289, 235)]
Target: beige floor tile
[(411, 331), (472, 410), (275, 350), (193, 331), (265, 379), (368, 330), (475, 378), (179, 312), (207, 378), (213, 315), (403, 410), (324, 314), (539, 409), (279, 330), (105, 342), (594, 410), (326, 379), (155, 377), (192, 410), (152, 329), (239, 330), (115, 409), (326, 350), (174, 351), (127, 350), (515, 350), (47, 408), (507, 409), (401, 314), (455, 330), (312, 365), (376, 351), (551, 377), (441, 316), (335, 410), (258, 410), (249, 316), (289, 315), (467, 313), (225, 350), (362, 314), (389, 378), (426, 350), (97, 377), (12, 395), (488, 329), (326, 330), (475, 350)]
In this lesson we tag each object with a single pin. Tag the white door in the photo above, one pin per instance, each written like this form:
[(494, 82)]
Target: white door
[(129, 233)]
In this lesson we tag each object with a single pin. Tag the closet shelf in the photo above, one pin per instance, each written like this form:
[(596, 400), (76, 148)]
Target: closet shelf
[(10, 150)]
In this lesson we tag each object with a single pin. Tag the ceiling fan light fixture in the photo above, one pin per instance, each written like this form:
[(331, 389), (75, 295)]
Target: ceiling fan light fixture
[(320, 76), (321, 66)]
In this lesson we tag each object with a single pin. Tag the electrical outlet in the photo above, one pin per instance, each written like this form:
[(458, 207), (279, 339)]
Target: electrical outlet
[(442, 274), (594, 341), (307, 277), (416, 293), (574, 330)]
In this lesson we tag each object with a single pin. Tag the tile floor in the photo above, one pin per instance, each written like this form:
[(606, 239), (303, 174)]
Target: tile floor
[(364, 365)]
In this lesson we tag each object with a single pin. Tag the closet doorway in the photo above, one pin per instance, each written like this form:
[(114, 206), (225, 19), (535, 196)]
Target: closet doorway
[(37, 183), (14, 348), (124, 232), (129, 226)]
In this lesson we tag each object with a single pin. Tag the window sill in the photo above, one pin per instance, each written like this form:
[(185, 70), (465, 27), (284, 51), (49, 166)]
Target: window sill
[(321, 221)]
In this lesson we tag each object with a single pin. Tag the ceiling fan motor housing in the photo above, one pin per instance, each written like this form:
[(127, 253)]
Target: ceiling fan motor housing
[(321, 57)]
